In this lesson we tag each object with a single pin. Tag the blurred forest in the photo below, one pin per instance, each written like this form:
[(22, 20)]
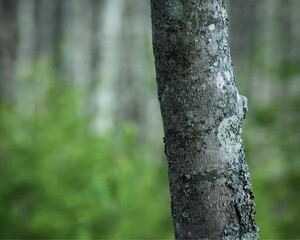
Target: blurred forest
[(81, 149)]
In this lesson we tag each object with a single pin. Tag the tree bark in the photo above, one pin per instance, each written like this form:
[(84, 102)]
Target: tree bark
[(202, 114)]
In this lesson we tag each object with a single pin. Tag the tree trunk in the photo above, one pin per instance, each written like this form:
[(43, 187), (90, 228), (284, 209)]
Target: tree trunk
[(202, 114), (8, 39)]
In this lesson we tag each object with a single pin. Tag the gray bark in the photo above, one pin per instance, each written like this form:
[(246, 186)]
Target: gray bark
[(202, 114)]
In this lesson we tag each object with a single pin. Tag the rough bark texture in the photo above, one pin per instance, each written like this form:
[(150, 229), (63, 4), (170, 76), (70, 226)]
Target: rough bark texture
[(202, 114)]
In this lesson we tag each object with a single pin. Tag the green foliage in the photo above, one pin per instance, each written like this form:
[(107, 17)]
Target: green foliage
[(271, 134), (60, 179)]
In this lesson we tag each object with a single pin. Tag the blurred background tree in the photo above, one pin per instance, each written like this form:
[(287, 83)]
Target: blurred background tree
[(80, 130), (266, 52)]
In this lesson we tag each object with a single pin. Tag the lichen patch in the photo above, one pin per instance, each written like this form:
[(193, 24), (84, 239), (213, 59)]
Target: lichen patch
[(228, 131), (227, 76), (211, 27), (220, 81)]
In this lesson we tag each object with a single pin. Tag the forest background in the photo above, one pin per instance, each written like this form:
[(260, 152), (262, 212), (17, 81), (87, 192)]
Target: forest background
[(81, 149)]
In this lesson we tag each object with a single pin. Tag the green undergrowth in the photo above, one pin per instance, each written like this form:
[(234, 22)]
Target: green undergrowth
[(271, 137), (59, 178)]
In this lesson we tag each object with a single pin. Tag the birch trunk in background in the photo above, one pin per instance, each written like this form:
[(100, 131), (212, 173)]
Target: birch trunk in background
[(243, 39), (8, 39), (202, 114), (101, 45)]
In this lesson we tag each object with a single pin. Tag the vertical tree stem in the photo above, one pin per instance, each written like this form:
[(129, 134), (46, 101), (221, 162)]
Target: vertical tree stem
[(202, 114)]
